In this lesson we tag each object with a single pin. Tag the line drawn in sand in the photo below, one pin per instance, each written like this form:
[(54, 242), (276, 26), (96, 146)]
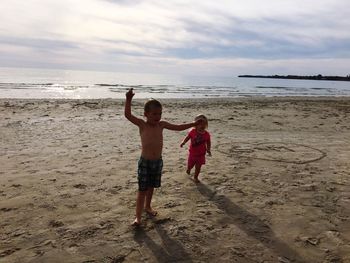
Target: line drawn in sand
[(273, 151)]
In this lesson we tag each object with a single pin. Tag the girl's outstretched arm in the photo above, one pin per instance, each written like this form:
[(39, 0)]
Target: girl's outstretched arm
[(209, 147), (185, 140)]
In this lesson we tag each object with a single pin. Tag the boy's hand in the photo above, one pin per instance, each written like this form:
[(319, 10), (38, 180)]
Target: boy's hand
[(198, 122), (129, 94)]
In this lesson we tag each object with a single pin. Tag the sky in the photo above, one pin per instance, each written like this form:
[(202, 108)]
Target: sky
[(218, 38)]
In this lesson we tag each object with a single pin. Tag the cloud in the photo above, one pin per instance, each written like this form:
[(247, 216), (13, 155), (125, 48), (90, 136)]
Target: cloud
[(218, 34)]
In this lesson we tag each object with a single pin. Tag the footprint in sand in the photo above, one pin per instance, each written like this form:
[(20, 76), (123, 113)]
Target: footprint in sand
[(80, 186), (55, 223), (8, 252), (8, 209)]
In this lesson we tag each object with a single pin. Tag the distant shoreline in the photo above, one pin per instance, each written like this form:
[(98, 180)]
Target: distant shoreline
[(316, 77)]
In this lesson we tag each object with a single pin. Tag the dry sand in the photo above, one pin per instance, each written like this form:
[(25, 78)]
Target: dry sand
[(277, 188)]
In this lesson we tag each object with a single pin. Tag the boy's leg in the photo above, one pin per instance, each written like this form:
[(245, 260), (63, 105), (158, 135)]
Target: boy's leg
[(196, 172), (148, 208), (140, 201)]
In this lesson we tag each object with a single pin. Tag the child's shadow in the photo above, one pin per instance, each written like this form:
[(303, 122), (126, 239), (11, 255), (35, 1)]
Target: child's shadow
[(169, 251), (252, 225)]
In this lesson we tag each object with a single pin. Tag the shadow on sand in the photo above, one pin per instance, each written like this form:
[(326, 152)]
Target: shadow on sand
[(252, 225), (169, 251)]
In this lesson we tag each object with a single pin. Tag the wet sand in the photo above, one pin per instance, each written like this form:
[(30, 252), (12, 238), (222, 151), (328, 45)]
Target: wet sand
[(277, 188)]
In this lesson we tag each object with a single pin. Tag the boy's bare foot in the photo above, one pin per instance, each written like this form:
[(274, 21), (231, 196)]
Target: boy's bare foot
[(195, 179), (136, 223), (188, 172), (151, 212)]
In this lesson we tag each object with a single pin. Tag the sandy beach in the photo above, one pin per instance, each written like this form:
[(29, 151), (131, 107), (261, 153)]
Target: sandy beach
[(276, 189)]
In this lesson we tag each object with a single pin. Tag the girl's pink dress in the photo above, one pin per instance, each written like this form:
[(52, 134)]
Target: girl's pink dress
[(198, 147)]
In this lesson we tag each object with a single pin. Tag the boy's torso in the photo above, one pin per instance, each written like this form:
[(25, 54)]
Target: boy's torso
[(151, 141)]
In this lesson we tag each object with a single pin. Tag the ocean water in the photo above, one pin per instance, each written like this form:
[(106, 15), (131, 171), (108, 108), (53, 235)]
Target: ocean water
[(72, 84)]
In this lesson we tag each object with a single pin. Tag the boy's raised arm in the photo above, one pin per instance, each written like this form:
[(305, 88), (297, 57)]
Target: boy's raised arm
[(127, 109)]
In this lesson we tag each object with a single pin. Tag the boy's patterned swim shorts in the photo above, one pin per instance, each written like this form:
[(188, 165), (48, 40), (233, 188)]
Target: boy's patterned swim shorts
[(149, 173)]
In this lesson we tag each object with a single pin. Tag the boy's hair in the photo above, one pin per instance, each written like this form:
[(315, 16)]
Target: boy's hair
[(202, 116), (152, 104)]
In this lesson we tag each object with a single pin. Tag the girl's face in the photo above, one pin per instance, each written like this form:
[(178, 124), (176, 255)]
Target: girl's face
[(201, 126), (154, 115)]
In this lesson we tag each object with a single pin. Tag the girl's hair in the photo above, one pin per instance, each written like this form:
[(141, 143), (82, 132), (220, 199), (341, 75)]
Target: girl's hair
[(152, 104), (202, 116)]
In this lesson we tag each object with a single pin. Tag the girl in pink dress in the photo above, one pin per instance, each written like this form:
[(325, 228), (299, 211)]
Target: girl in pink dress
[(200, 145)]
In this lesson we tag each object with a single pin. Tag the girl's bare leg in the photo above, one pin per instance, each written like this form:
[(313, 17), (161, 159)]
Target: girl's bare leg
[(196, 172), (189, 167)]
